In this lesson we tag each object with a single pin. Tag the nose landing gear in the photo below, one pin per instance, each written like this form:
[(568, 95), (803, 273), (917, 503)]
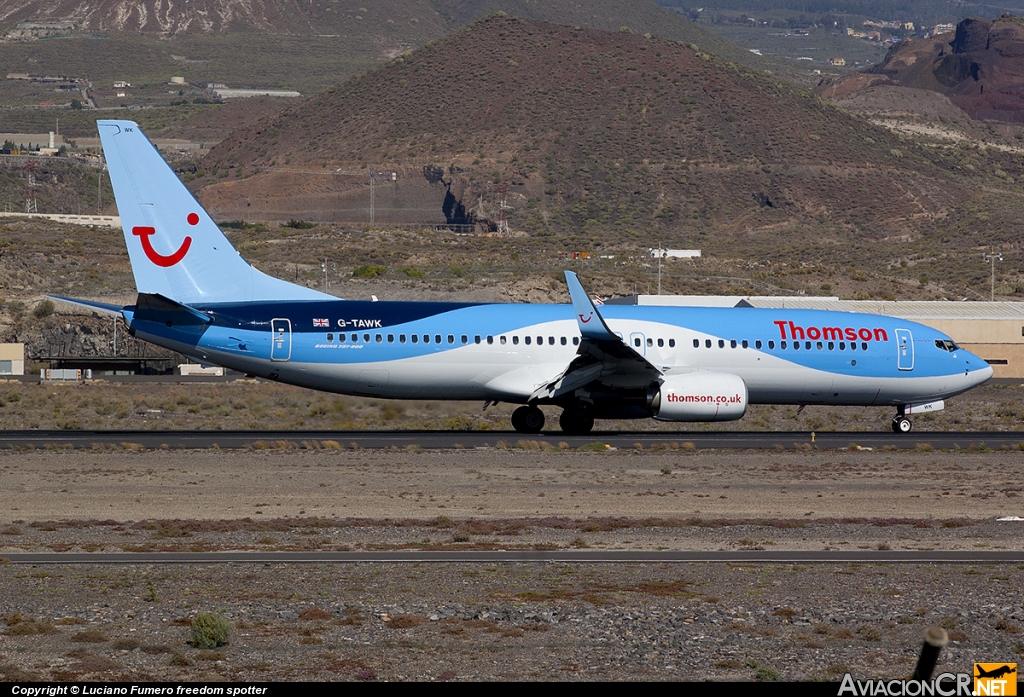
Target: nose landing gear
[(901, 424)]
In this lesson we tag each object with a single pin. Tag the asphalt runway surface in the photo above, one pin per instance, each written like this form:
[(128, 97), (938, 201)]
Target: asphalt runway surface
[(944, 440)]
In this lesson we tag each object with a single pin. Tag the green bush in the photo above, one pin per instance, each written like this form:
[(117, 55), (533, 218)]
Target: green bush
[(43, 309), (368, 271), (210, 631)]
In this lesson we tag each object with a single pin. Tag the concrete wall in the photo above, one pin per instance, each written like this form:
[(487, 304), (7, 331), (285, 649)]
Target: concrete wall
[(12, 359)]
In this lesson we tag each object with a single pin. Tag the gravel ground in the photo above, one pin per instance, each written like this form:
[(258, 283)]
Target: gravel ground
[(506, 621)]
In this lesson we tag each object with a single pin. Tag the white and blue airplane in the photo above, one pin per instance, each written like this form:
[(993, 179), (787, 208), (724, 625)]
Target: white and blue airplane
[(198, 296)]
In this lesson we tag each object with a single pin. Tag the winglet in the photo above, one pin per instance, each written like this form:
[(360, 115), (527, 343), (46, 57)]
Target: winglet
[(590, 321)]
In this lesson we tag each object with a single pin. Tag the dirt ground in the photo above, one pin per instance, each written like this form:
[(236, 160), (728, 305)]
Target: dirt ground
[(514, 620), (495, 483)]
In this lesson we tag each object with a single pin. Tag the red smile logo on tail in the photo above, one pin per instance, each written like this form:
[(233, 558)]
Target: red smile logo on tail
[(144, 232)]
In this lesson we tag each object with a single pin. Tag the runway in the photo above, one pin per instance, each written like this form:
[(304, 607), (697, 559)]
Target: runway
[(530, 556), (829, 440)]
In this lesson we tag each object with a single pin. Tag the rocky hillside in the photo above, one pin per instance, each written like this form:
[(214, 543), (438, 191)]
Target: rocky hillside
[(385, 22), (593, 133), (980, 68)]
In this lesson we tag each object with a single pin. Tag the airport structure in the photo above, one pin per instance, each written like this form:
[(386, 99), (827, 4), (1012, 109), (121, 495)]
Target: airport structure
[(12, 359), (992, 330)]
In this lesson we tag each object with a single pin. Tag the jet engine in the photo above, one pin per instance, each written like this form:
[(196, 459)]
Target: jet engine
[(700, 396)]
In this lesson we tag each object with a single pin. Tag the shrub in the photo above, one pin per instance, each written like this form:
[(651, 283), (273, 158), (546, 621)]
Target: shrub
[(368, 271), (209, 631), (43, 309)]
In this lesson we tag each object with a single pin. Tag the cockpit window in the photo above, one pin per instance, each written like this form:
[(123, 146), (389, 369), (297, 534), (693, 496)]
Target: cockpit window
[(946, 345)]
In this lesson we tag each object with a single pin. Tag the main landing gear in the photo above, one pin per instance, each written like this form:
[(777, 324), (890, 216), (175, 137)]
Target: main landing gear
[(575, 422), (901, 424), (528, 420), (572, 421)]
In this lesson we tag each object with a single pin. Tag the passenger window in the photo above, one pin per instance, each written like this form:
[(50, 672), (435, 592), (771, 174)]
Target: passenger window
[(391, 338), (796, 345), (721, 343), (451, 338), (330, 337), (355, 338), (551, 341), (415, 338), (696, 343), (437, 338), (782, 344), (426, 338), (636, 342), (401, 338), (864, 346), (650, 342), (757, 344), (672, 343), (490, 339), (515, 340), (732, 343), (661, 343), (526, 340), (540, 341), (807, 345), (707, 343), (853, 345), (575, 341), (379, 339), (563, 341), (465, 339), (503, 340), (819, 345), (476, 339), (745, 344), (842, 345), (771, 345), (831, 346)]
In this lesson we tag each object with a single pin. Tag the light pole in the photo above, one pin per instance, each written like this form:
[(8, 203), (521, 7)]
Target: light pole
[(992, 259)]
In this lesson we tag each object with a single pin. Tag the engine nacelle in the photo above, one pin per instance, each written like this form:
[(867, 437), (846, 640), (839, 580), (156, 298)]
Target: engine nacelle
[(701, 396)]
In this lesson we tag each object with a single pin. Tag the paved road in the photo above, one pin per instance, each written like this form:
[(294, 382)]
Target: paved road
[(474, 439), (563, 557)]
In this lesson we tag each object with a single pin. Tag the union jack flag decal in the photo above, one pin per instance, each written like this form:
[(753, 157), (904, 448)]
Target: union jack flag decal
[(321, 323)]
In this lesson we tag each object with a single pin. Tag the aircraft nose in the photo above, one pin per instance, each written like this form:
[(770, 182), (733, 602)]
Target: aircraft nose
[(978, 369)]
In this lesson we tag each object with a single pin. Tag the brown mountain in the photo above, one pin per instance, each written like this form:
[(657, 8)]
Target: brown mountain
[(383, 21), (594, 133), (980, 68)]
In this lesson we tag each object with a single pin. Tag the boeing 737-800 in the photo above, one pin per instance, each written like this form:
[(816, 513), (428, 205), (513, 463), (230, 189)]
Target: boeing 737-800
[(198, 296)]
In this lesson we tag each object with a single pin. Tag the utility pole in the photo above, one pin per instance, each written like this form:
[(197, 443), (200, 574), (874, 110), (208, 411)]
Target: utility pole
[(992, 259), (373, 176), (503, 210), (661, 253)]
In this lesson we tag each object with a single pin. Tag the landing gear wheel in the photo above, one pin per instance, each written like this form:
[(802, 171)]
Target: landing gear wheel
[(528, 420), (576, 422), (901, 424)]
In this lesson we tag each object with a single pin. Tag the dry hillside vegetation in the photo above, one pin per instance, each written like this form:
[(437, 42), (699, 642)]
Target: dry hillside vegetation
[(609, 136)]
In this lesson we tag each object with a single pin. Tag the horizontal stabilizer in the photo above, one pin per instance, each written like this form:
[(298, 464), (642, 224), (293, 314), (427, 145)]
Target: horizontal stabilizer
[(105, 308)]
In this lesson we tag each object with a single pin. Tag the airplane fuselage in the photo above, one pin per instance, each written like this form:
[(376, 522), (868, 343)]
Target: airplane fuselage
[(505, 351)]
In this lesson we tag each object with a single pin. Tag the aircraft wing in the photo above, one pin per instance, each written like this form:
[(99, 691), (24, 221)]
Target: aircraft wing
[(602, 355)]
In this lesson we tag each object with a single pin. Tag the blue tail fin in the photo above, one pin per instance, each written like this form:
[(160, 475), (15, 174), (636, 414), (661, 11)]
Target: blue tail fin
[(175, 247)]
